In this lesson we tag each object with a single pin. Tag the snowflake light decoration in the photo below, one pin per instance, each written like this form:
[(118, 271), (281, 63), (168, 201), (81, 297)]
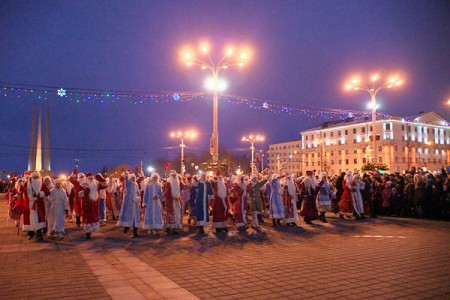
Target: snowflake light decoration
[(265, 105), (61, 92)]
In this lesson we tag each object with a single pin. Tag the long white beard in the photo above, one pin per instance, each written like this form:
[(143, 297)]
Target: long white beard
[(348, 180), (93, 189), (309, 183), (221, 188), (67, 185), (34, 186), (291, 187), (175, 187)]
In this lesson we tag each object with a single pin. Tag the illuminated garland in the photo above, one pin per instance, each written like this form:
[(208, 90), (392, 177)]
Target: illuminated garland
[(79, 95)]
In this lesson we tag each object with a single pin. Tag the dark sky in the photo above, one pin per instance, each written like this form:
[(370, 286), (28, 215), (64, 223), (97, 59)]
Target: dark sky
[(302, 54)]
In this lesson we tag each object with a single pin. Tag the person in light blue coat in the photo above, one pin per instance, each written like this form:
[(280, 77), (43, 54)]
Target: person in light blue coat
[(129, 214), (276, 202), (153, 219)]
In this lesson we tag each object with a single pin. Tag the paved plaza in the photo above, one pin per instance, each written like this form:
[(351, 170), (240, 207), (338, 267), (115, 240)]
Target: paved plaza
[(384, 258)]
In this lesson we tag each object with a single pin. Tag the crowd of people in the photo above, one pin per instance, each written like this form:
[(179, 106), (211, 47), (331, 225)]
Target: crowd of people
[(42, 206)]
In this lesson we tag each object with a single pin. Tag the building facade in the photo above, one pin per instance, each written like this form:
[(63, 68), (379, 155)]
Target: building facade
[(335, 147)]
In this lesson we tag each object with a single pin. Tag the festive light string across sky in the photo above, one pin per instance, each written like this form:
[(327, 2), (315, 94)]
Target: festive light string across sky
[(80, 95)]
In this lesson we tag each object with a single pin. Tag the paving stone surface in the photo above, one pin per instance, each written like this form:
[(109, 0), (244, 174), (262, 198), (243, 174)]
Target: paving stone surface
[(384, 258)]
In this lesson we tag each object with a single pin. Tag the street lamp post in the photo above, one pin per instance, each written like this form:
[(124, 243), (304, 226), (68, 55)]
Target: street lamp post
[(252, 140), (214, 84), (262, 159), (355, 84), (183, 135)]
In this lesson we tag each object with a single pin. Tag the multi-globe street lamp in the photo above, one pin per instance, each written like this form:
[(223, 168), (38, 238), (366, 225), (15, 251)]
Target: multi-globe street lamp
[(182, 136), (206, 62), (356, 84), (252, 140)]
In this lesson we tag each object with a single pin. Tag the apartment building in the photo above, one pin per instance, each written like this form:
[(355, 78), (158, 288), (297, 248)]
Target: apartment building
[(334, 147)]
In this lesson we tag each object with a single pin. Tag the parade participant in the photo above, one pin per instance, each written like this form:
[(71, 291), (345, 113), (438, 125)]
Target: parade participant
[(346, 202), (69, 189), (308, 191), (89, 202), (77, 205), (34, 216), (323, 197), (358, 205), (153, 219), (59, 203), (290, 201), (102, 206), (193, 184), (339, 192), (172, 192), (220, 204), (48, 182), (239, 191), (263, 196), (202, 202), (185, 195), (112, 198), (129, 213), (256, 205), (276, 206)]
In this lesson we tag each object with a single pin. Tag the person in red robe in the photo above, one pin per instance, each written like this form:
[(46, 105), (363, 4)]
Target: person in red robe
[(172, 192), (77, 179), (346, 203), (239, 191), (220, 204), (34, 192), (88, 191), (290, 201)]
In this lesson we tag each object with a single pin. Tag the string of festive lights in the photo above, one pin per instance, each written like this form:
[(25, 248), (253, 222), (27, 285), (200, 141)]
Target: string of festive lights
[(88, 95)]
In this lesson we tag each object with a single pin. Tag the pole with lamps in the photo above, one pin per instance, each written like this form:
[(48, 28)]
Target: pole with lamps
[(356, 84), (206, 62), (182, 136), (252, 140)]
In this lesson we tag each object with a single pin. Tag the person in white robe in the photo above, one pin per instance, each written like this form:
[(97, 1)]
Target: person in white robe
[(59, 204)]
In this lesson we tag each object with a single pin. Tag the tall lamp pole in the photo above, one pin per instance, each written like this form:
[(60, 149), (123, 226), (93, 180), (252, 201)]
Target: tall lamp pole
[(183, 135), (214, 84), (252, 140), (356, 84)]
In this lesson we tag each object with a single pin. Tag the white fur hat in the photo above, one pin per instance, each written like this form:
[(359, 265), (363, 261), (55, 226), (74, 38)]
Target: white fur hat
[(252, 177)]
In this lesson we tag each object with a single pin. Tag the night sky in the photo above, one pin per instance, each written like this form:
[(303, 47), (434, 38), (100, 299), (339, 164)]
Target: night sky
[(302, 54)]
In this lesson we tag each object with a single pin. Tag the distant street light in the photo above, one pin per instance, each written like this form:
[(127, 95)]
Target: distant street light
[(183, 135), (252, 140), (214, 84), (355, 84)]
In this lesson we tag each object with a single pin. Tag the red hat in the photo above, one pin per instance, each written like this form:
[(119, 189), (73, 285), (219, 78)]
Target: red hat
[(218, 173), (89, 174)]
